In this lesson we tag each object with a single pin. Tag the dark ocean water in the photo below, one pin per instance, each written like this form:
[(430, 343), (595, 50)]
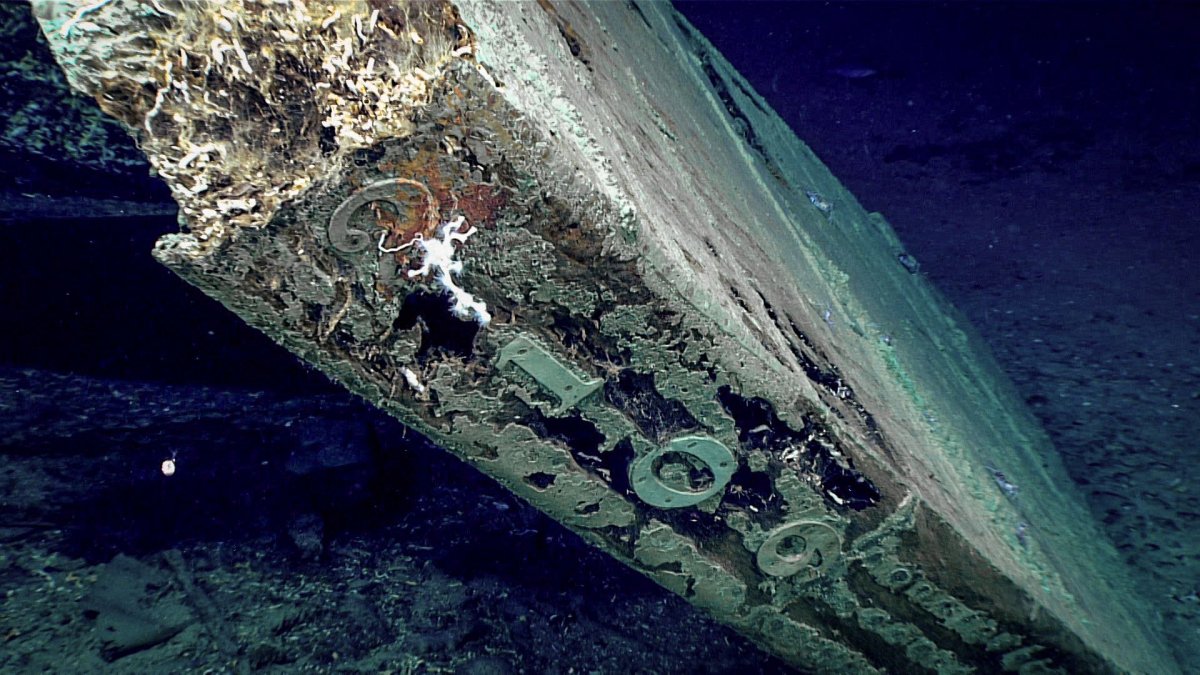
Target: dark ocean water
[(1040, 160)]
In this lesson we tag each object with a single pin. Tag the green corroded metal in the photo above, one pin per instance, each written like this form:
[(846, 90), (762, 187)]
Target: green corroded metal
[(549, 372), (652, 485), (797, 547)]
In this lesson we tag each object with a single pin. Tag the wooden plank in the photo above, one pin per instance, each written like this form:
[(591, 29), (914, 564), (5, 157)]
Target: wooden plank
[(569, 243)]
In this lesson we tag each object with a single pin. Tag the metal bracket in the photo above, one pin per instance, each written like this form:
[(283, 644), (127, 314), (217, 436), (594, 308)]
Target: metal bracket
[(548, 371)]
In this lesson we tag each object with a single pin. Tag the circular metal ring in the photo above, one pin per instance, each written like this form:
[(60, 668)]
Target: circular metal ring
[(349, 239), (793, 547), (649, 485)]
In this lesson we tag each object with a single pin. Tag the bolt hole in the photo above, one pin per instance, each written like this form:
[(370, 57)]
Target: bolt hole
[(683, 472), (791, 546)]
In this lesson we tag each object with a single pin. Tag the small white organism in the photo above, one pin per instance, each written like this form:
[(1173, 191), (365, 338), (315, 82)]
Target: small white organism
[(168, 466), (439, 258), (413, 381)]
